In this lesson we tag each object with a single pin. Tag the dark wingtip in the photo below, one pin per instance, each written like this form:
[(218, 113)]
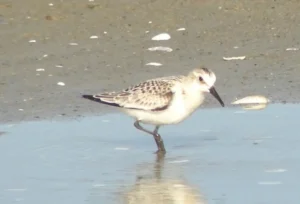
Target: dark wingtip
[(92, 98)]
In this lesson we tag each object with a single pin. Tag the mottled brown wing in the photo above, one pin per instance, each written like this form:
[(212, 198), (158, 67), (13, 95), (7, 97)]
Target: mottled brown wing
[(152, 95)]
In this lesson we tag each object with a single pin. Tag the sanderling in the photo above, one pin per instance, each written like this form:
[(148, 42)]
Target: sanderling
[(162, 101)]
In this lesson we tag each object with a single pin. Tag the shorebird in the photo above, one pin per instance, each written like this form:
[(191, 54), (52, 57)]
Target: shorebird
[(162, 101)]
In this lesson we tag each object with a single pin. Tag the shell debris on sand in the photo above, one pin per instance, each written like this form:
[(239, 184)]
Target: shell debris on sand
[(292, 49), (252, 99), (234, 58), (256, 102), (154, 64), (162, 36), (61, 83), (40, 70), (94, 37), (180, 29), (160, 48)]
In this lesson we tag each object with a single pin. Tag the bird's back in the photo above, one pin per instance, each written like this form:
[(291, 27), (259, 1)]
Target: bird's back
[(151, 95)]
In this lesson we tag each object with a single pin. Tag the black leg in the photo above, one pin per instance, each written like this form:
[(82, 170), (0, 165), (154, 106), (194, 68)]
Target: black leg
[(138, 126), (158, 140)]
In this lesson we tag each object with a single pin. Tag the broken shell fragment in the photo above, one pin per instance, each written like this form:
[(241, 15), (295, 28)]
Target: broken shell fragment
[(234, 58), (162, 36)]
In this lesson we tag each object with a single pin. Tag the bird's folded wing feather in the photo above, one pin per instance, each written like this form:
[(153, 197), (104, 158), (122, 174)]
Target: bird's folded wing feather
[(152, 95)]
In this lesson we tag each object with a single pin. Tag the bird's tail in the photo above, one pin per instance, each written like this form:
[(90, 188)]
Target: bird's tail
[(105, 99)]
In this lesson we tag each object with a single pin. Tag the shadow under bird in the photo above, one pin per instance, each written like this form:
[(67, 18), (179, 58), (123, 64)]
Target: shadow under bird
[(162, 101)]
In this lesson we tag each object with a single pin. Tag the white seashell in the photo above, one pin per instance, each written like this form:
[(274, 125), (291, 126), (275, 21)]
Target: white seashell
[(234, 58), (160, 48), (162, 36), (40, 70), (61, 84), (252, 99), (292, 49), (180, 29), (154, 64), (94, 37)]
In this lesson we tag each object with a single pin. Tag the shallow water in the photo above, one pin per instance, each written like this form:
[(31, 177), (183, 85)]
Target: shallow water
[(228, 155)]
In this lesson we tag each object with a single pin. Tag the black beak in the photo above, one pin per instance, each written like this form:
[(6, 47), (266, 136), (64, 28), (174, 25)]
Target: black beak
[(213, 91)]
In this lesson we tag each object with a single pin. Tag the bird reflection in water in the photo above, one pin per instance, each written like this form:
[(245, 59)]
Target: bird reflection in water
[(161, 191)]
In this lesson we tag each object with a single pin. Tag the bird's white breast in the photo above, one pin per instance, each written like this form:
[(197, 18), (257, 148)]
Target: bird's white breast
[(184, 103)]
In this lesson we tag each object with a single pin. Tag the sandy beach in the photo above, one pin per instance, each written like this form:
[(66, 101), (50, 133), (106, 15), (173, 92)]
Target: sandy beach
[(55, 39)]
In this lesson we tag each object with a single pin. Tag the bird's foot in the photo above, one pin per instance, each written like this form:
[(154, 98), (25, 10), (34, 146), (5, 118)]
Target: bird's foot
[(160, 152)]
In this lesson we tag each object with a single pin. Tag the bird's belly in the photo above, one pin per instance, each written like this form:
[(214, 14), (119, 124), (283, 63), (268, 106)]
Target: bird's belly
[(156, 117), (182, 109), (178, 111)]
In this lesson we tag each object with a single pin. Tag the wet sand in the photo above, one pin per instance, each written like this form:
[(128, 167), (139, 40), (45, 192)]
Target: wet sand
[(259, 30)]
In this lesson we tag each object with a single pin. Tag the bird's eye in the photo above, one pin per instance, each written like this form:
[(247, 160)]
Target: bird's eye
[(200, 79)]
